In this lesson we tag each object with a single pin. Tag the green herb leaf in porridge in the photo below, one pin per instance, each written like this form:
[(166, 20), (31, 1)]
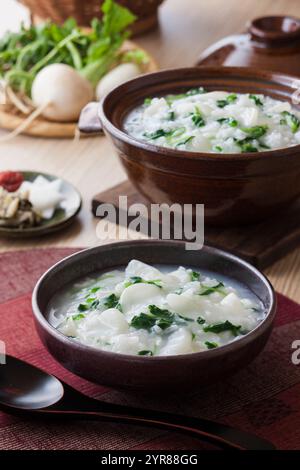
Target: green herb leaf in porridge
[(156, 134), (229, 100), (255, 132), (195, 276), (140, 280), (211, 345), (230, 121), (221, 327), (207, 290), (111, 301), (79, 316), (93, 290), (256, 100), (145, 352), (143, 321), (246, 145), (83, 307), (291, 120), (185, 141), (197, 118), (158, 316)]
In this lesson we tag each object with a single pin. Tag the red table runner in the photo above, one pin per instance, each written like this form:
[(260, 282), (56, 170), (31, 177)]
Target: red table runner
[(262, 399)]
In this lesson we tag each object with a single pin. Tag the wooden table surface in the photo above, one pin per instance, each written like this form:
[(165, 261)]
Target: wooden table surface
[(186, 28)]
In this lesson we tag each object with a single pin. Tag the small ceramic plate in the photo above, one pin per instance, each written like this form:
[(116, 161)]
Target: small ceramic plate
[(62, 216)]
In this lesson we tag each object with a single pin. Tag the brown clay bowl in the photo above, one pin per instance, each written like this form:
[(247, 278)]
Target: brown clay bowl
[(175, 373), (235, 188)]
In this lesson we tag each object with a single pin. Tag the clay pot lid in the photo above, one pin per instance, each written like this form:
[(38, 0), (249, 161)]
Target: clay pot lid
[(275, 29)]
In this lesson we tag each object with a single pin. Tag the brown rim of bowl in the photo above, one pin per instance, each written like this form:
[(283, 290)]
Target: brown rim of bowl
[(244, 340), (244, 72)]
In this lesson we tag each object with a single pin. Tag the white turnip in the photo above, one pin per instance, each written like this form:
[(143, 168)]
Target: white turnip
[(120, 74), (61, 92)]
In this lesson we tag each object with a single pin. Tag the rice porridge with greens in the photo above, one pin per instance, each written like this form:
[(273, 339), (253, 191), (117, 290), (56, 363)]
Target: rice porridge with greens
[(216, 122), (150, 311)]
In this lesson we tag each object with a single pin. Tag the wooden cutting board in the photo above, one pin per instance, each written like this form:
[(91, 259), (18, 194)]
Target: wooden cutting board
[(260, 244)]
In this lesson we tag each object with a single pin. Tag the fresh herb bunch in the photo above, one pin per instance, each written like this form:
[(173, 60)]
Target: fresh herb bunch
[(91, 53)]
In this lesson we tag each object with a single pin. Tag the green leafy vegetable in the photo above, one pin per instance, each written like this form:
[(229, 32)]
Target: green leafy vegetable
[(145, 353), (157, 134), (246, 145), (197, 118), (95, 304), (264, 146), (200, 320), (92, 54), (92, 303), (195, 276), (185, 141), (186, 319), (143, 321), (157, 317), (291, 120), (171, 135), (111, 301), (220, 327), (211, 345), (83, 307), (211, 290), (218, 148), (93, 290), (256, 100), (229, 100), (230, 121), (171, 116), (79, 316), (140, 280), (255, 132), (136, 56)]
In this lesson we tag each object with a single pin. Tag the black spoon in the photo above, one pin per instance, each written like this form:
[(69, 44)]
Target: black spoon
[(29, 390)]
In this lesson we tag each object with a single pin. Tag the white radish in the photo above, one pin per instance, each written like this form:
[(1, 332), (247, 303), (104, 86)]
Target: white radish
[(61, 92), (120, 74)]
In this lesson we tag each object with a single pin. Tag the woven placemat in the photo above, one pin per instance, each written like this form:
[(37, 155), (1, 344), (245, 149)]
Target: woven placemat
[(262, 399)]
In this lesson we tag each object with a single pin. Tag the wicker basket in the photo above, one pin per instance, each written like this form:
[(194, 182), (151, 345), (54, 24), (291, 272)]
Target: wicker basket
[(84, 10)]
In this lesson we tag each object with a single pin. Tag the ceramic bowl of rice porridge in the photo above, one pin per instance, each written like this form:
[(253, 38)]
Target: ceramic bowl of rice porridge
[(226, 137), (149, 315)]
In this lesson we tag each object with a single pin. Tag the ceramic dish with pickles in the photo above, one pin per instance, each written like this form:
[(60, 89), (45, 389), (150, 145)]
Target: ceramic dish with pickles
[(33, 204)]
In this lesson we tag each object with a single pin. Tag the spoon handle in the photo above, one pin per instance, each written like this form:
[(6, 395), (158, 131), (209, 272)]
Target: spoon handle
[(219, 434)]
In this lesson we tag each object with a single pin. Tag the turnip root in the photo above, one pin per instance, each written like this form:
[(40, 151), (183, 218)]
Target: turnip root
[(120, 74), (61, 92)]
